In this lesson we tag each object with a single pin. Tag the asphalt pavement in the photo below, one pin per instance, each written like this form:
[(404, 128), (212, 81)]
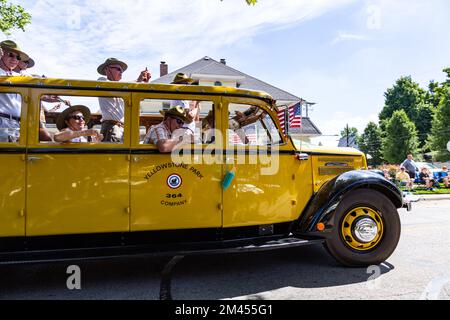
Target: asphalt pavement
[(418, 269)]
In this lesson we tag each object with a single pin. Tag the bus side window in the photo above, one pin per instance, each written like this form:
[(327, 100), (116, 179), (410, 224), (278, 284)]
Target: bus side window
[(83, 115), (251, 125), (10, 117), (200, 114)]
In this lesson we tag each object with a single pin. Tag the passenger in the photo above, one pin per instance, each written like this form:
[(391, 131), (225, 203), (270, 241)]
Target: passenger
[(192, 107), (10, 103), (113, 108), (71, 122), (242, 119), (163, 135)]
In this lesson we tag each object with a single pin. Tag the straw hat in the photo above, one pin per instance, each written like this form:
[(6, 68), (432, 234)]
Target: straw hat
[(182, 78), (12, 46), (30, 63), (61, 120), (110, 61), (177, 112)]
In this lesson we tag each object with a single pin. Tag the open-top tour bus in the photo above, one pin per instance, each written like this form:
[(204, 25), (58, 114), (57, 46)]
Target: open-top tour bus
[(237, 187)]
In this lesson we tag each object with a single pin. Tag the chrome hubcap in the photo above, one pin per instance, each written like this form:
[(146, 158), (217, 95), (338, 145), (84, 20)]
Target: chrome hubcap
[(365, 230)]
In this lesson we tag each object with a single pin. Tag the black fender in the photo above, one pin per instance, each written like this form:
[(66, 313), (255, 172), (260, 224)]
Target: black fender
[(322, 205)]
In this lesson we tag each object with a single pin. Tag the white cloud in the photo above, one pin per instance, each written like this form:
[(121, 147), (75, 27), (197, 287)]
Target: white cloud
[(344, 36), (71, 38)]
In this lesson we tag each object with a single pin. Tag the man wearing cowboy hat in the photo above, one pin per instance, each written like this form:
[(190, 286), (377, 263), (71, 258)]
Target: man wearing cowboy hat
[(71, 124), (192, 109), (113, 108), (10, 103), (163, 134)]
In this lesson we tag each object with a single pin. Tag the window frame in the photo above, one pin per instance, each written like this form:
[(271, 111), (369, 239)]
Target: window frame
[(136, 113), (35, 118)]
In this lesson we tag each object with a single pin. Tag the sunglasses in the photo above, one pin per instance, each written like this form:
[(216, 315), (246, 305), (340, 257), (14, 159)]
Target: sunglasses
[(117, 68), (180, 122), (13, 55), (79, 118)]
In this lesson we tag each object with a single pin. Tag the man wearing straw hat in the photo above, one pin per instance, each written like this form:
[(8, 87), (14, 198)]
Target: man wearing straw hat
[(162, 135), (10, 103), (113, 108)]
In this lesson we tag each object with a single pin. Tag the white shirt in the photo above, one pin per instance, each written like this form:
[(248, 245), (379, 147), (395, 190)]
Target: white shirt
[(111, 108), (10, 103)]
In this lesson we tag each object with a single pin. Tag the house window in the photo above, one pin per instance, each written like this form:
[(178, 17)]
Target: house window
[(218, 83)]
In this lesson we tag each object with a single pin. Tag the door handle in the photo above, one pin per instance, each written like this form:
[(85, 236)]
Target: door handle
[(137, 159), (34, 159)]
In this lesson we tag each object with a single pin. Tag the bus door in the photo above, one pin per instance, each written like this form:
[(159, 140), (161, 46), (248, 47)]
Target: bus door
[(79, 186), (269, 185), (175, 190)]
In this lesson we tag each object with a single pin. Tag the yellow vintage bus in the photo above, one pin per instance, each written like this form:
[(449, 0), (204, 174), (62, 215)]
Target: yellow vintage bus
[(234, 189)]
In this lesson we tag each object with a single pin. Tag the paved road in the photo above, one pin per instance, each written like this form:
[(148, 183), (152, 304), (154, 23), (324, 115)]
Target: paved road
[(419, 268)]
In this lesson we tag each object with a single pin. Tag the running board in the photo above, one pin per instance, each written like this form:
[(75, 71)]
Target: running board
[(181, 249)]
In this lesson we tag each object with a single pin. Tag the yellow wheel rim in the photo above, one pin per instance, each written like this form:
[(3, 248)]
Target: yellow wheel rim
[(362, 228)]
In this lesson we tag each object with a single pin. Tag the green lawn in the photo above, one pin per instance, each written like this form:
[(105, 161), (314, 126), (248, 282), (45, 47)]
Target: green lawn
[(419, 189)]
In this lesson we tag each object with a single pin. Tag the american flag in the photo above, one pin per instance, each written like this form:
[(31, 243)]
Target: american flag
[(282, 118), (295, 116)]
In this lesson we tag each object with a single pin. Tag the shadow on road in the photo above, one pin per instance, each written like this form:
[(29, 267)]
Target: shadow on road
[(194, 278)]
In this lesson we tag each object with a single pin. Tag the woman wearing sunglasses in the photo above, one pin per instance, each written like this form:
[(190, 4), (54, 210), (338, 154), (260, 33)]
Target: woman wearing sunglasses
[(71, 124)]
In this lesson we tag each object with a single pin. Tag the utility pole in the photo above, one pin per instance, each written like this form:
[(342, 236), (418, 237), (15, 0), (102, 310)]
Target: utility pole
[(347, 133)]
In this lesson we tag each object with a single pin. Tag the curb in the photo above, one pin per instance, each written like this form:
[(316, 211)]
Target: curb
[(426, 197), (433, 197)]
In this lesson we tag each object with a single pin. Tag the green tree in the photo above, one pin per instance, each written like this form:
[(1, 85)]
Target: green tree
[(436, 90), (447, 71), (400, 139), (12, 17), (370, 143), (407, 95), (440, 132)]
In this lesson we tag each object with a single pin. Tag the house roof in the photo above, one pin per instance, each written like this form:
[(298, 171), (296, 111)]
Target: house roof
[(209, 66), (308, 128)]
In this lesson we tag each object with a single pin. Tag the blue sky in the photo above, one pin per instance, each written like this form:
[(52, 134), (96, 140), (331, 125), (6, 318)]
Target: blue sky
[(342, 54)]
